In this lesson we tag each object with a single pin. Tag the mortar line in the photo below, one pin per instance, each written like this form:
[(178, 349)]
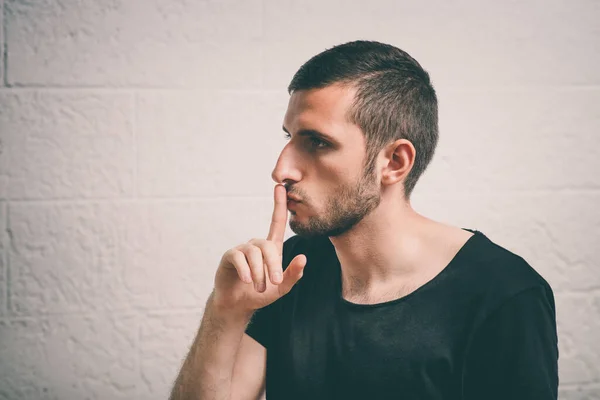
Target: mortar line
[(138, 350), (134, 311), (4, 45), (580, 385), (89, 314), (134, 102), (6, 240), (3, 42), (263, 50), (246, 196), (5, 246), (135, 194), (440, 88)]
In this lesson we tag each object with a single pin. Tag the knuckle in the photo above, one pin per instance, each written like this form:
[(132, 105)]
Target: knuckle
[(237, 257), (245, 248), (237, 249), (254, 256), (254, 251), (256, 241), (230, 254)]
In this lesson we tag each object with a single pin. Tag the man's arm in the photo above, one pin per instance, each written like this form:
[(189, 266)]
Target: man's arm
[(514, 354), (250, 371), (207, 372)]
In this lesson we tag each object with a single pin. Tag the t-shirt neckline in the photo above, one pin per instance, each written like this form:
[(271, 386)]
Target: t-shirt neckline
[(357, 306)]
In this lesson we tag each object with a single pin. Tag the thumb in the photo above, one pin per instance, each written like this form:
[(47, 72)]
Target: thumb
[(292, 274)]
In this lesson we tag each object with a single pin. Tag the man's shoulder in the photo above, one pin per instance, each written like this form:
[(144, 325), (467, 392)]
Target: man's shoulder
[(498, 262), (495, 273)]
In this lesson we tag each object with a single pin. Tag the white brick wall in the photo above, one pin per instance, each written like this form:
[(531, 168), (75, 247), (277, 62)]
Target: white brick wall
[(137, 138)]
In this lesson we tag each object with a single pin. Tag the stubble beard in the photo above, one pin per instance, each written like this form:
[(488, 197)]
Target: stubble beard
[(344, 209)]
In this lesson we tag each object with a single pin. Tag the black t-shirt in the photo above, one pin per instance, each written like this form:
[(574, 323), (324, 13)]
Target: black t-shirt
[(483, 329)]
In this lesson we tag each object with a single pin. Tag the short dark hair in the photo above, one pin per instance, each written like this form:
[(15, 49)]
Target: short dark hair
[(394, 99)]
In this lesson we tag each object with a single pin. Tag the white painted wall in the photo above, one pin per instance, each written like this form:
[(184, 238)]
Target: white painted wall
[(137, 139)]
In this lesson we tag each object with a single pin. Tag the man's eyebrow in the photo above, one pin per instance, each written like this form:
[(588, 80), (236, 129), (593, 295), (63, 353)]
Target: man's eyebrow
[(314, 133)]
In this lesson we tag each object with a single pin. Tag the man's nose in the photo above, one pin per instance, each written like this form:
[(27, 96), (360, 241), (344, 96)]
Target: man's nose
[(285, 169)]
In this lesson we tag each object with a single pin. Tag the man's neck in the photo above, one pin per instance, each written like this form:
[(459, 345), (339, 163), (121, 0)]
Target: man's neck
[(394, 250)]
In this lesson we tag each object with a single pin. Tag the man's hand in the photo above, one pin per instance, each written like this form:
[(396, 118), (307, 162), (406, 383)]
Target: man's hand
[(250, 276)]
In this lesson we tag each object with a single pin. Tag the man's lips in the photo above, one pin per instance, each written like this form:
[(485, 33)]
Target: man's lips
[(291, 203)]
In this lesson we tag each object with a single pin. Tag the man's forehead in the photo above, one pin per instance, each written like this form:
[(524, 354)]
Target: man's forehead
[(323, 106), (330, 97)]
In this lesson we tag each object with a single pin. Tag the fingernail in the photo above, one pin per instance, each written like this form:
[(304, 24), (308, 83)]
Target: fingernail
[(277, 277), (261, 287)]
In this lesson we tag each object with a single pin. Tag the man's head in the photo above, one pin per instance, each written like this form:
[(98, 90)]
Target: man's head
[(378, 105)]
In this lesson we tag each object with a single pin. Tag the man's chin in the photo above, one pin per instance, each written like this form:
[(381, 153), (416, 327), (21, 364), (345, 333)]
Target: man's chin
[(301, 230)]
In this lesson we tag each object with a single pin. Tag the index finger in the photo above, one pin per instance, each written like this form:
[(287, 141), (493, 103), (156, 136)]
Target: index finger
[(277, 229)]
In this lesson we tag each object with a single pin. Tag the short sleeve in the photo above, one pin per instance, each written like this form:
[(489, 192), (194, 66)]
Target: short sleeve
[(260, 325), (514, 354)]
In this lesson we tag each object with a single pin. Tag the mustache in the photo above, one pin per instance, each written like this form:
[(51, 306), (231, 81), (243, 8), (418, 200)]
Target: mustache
[(290, 191)]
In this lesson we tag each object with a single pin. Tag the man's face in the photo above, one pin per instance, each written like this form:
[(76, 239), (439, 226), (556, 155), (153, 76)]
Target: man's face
[(325, 173)]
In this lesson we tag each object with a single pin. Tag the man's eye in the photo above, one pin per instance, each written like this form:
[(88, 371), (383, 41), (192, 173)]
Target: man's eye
[(318, 143), (314, 142)]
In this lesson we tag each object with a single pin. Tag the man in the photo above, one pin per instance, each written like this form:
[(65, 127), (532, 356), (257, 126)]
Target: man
[(390, 304)]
